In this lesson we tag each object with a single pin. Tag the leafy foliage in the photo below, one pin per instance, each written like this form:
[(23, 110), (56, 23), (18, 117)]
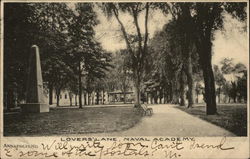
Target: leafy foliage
[(236, 86), (65, 38)]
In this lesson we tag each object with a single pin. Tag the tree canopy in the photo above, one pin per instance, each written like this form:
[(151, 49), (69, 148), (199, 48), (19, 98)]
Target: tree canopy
[(163, 65)]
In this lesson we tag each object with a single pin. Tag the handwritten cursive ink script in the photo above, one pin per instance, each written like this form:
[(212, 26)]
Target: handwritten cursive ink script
[(219, 146), (97, 149)]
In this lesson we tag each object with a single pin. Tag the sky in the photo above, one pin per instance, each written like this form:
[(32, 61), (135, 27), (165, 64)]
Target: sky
[(229, 42), (109, 34)]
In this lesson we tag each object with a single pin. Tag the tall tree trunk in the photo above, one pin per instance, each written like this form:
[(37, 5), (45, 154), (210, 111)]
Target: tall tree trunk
[(171, 92), (155, 97), (234, 99), (70, 99), (57, 99), (161, 95), (137, 91), (80, 85), (209, 89), (124, 97), (103, 97), (93, 98), (187, 50), (75, 99), (165, 95), (208, 75), (204, 49), (182, 88), (89, 98), (85, 98), (219, 94), (190, 81), (50, 93), (175, 95), (137, 96), (58, 95), (97, 97)]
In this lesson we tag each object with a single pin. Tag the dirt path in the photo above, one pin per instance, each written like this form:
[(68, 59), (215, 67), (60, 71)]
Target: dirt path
[(169, 121)]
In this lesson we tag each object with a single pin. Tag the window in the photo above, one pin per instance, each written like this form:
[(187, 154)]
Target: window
[(65, 96), (60, 96)]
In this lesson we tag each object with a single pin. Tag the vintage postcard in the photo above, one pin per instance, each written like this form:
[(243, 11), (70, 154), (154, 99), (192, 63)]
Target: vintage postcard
[(124, 79)]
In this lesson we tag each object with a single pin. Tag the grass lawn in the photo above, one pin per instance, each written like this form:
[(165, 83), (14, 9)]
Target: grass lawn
[(232, 117), (71, 121)]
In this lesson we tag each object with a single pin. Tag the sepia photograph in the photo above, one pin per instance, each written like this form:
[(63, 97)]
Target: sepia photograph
[(137, 68), (118, 79), (124, 69)]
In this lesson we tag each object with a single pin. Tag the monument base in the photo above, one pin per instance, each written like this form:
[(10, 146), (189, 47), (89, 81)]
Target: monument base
[(34, 108)]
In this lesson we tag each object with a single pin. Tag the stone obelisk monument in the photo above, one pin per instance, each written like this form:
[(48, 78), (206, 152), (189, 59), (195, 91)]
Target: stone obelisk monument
[(35, 99)]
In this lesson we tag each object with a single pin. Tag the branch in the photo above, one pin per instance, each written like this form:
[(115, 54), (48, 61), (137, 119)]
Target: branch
[(212, 18), (146, 29), (135, 16), (114, 9), (171, 11), (146, 36)]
